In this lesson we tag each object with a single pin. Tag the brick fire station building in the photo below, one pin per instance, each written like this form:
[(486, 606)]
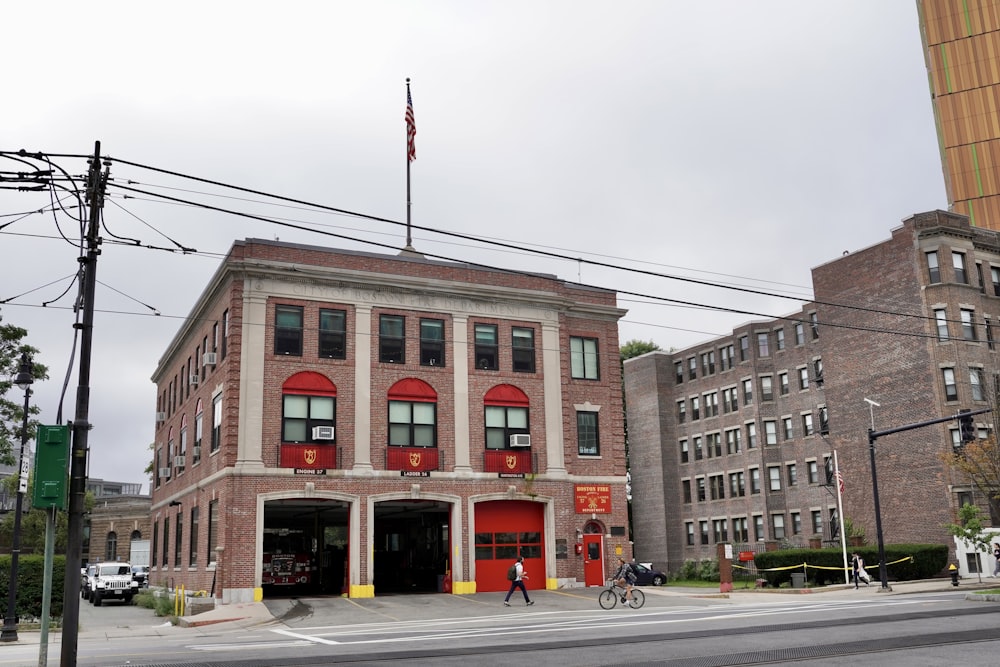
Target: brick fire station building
[(347, 422)]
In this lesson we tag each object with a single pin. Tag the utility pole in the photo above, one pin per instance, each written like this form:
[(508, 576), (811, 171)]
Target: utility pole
[(96, 182)]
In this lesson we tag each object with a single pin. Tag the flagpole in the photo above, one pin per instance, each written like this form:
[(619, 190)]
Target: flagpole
[(411, 131), (840, 516)]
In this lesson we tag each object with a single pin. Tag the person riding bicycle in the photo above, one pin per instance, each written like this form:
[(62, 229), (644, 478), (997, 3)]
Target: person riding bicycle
[(625, 577)]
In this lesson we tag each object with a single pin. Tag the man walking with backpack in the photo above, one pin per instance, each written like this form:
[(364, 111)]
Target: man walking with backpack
[(515, 575)]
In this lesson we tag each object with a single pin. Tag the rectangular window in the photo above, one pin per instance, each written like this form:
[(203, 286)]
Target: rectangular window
[(700, 484), (800, 334), (976, 383), (788, 428), (758, 527), (740, 533), (681, 411), (301, 414), (692, 368), (744, 348), (166, 542), (193, 546), (754, 481), (719, 527), (679, 372), (695, 408), (817, 372), (717, 485), (779, 339), (698, 453), (958, 263), (216, 422), (824, 420), (153, 552), (766, 388), (684, 450), (730, 400), (523, 342), (414, 424), (213, 530), (796, 523), (199, 427), (737, 485), (686, 489), (990, 342), (751, 435), (713, 442), (803, 379), (995, 277), (733, 441), (814, 325), (792, 474), (708, 363), (586, 430), (807, 424), (583, 358), (950, 388), (225, 334), (690, 533), (968, 324), (770, 432), (178, 536), (703, 527), (332, 334), (813, 471), (979, 273), (392, 339), (747, 391), (783, 383), (726, 357), (774, 478), (933, 270), (431, 342), (941, 318), (763, 345), (778, 526), (288, 330), (817, 522), (711, 404)]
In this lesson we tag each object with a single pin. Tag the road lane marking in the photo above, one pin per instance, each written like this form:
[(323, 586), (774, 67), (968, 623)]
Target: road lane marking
[(308, 638)]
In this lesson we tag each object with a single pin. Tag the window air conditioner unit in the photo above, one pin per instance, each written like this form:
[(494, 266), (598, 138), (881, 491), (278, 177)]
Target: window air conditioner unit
[(197, 451), (322, 433), (179, 461), (164, 472), (208, 358), (161, 416), (193, 379), (520, 440)]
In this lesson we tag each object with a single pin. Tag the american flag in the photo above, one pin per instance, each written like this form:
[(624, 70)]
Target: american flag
[(411, 128), (840, 481)]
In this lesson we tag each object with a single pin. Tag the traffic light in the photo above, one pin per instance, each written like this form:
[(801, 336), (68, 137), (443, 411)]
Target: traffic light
[(966, 427), (51, 467)]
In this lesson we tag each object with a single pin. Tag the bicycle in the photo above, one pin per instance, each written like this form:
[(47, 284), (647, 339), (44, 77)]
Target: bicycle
[(612, 595)]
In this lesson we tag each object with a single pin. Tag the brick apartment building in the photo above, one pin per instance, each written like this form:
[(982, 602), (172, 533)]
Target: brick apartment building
[(339, 421), (728, 440)]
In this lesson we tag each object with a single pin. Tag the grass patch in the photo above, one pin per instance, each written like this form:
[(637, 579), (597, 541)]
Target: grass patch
[(692, 583), (161, 605)]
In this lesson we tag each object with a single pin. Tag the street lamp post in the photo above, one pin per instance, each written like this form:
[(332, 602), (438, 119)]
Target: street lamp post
[(24, 380)]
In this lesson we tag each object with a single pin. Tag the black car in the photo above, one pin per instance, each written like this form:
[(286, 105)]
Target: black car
[(140, 574), (647, 577)]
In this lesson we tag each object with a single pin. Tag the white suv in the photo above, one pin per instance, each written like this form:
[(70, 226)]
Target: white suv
[(112, 581)]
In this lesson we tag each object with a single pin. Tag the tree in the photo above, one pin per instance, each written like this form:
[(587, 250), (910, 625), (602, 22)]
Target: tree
[(634, 348), (12, 411), (979, 461), (33, 521), (971, 530)]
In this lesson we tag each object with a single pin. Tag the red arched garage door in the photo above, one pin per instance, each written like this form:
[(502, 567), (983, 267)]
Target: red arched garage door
[(504, 530)]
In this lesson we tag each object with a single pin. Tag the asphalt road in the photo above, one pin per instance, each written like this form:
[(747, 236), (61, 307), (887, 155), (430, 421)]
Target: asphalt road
[(563, 627)]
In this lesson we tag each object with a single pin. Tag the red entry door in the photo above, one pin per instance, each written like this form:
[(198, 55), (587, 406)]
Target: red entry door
[(593, 560)]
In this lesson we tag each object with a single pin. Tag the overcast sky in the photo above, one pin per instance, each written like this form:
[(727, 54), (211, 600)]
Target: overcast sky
[(730, 141)]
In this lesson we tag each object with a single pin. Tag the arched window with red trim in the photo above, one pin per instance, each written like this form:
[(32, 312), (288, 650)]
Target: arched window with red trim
[(412, 414), (506, 415), (308, 401)]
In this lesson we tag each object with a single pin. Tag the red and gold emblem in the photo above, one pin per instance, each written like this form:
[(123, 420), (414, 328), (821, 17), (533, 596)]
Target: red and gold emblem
[(310, 456), (415, 459), (511, 461)]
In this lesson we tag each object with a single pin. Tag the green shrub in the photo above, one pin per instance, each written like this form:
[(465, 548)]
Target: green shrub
[(693, 570), (827, 565), (30, 575)]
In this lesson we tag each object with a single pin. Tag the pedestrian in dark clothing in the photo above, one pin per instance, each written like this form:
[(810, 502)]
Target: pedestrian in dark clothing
[(517, 582)]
